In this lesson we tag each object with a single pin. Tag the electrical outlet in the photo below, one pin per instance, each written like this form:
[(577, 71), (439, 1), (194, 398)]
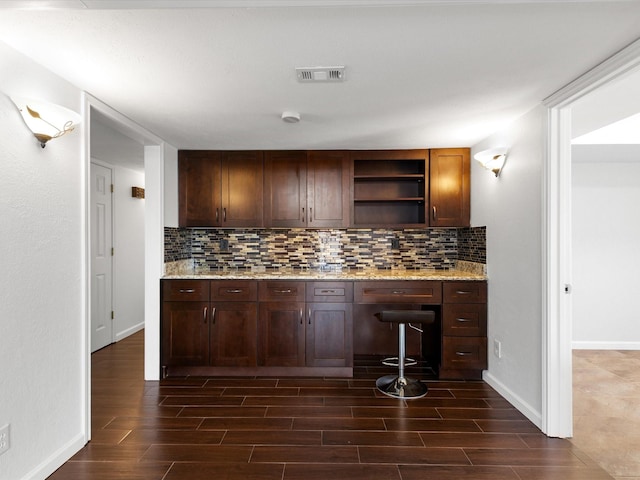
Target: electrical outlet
[(497, 348), (4, 439), (224, 245), (395, 243)]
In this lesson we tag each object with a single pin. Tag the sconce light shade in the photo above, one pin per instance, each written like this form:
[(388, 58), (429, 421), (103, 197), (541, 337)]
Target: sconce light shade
[(492, 159), (46, 120)]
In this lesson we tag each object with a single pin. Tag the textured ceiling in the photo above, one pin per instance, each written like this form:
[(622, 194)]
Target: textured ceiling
[(430, 74)]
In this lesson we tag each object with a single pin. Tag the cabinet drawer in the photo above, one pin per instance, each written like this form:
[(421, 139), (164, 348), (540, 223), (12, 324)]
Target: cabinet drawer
[(276, 291), (185, 290), (464, 292), (400, 291), (234, 290), (464, 319), (331, 292), (464, 352)]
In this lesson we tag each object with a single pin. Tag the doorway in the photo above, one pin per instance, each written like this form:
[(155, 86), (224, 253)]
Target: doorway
[(557, 266)]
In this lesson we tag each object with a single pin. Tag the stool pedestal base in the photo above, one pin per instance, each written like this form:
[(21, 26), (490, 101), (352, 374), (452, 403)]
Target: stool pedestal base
[(401, 387)]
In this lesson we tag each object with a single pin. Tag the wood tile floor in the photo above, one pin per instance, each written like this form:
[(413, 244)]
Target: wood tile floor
[(312, 429), (606, 409)]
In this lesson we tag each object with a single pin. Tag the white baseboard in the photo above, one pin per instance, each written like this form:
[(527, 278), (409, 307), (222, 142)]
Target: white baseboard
[(55, 461), (129, 331), (524, 408), (605, 345)]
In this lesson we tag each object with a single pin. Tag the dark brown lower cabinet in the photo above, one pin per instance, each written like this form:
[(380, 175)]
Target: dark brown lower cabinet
[(329, 335), (234, 327), (185, 333), (281, 334)]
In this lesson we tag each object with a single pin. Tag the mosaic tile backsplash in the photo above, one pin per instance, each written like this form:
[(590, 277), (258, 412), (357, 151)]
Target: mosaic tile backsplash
[(436, 248)]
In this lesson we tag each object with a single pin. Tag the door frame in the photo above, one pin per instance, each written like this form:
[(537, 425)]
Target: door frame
[(154, 242), (557, 389)]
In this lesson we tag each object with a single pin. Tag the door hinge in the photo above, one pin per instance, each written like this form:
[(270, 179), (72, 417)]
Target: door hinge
[(112, 188), (112, 316), (567, 288), (112, 251)]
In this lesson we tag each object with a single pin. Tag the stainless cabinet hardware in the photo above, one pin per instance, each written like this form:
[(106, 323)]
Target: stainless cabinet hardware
[(303, 214), (327, 291), (206, 309), (463, 320), (463, 292), (310, 214), (435, 212), (224, 214), (398, 292), (213, 315), (217, 215), (309, 316), (464, 354), (301, 316), (288, 290), (235, 290), (187, 290)]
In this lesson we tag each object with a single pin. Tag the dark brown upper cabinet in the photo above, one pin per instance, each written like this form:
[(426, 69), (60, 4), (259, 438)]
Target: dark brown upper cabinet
[(389, 188), (306, 189), (449, 196), (220, 189)]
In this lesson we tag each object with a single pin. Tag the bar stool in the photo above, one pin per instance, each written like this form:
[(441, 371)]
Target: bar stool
[(399, 386)]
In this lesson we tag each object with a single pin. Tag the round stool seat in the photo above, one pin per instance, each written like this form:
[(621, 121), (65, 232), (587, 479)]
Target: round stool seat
[(399, 386)]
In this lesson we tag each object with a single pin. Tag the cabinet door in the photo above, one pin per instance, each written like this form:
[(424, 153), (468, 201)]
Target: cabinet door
[(234, 328), (281, 339), (328, 189), (285, 196), (329, 335), (185, 333), (199, 188), (241, 187), (449, 197)]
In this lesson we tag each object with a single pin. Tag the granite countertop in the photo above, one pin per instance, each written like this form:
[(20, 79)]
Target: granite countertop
[(329, 275)]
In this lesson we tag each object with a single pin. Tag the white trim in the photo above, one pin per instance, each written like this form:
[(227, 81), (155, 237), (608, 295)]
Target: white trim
[(556, 339), (89, 102), (59, 457), (596, 345), (129, 331), (527, 410)]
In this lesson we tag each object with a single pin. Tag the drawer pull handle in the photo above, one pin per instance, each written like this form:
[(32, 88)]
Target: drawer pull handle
[(464, 354), (302, 214), (187, 290), (327, 291), (213, 315), (435, 212), (204, 314), (463, 320), (224, 214), (398, 292), (463, 292), (309, 316), (284, 291), (235, 290)]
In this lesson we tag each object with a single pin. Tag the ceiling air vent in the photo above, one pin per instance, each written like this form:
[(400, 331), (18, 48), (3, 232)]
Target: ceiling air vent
[(320, 74)]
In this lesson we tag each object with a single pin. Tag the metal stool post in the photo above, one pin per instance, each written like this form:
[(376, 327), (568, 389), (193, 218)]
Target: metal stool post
[(399, 386)]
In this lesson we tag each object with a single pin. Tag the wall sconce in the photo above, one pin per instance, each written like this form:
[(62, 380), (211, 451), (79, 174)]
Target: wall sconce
[(137, 192), (492, 159), (46, 120)]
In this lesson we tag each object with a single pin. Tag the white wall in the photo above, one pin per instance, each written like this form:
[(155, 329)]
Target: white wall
[(171, 187), (606, 260), (128, 263), (42, 312), (511, 208)]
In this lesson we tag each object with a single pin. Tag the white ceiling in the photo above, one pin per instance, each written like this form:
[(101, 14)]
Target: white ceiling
[(419, 73)]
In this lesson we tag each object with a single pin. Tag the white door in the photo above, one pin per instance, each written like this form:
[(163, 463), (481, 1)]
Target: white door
[(101, 257)]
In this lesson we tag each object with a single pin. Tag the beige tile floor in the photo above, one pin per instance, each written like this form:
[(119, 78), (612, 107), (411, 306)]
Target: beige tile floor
[(606, 409)]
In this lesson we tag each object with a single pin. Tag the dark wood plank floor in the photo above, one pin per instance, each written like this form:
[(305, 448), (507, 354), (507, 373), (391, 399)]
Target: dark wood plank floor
[(300, 428)]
